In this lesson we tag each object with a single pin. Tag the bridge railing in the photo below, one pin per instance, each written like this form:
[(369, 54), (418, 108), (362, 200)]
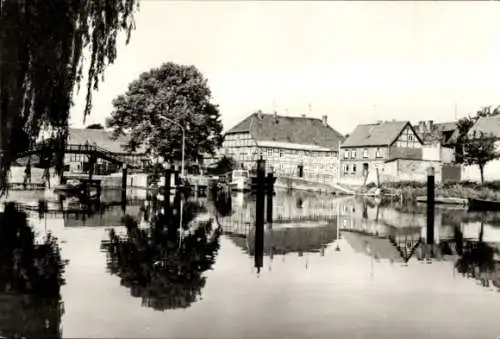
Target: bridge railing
[(83, 149)]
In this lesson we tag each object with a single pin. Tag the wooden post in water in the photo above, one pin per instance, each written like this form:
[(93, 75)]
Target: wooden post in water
[(430, 205), (259, 214), (124, 186), (176, 176), (92, 162), (166, 191), (270, 193)]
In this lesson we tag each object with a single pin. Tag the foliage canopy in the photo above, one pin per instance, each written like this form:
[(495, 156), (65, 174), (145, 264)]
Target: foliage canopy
[(162, 102), (43, 45)]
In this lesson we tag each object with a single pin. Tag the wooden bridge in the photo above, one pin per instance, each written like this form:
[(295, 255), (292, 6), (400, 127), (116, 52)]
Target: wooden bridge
[(91, 150)]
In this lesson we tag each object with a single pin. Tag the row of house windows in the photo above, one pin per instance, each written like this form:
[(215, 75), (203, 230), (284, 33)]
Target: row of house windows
[(352, 154), (238, 136), (279, 152), (347, 167)]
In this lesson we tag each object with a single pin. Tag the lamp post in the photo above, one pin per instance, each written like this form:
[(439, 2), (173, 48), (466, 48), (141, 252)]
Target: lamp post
[(183, 140)]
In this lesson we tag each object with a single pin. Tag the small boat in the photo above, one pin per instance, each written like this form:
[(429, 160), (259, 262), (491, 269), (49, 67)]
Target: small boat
[(483, 205), (240, 180), (444, 200)]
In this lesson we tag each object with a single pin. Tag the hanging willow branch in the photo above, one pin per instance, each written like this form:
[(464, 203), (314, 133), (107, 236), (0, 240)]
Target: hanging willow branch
[(42, 48)]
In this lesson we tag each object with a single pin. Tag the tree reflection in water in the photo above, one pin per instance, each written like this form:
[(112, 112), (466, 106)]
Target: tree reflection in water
[(165, 272), (477, 259), (31, 276)]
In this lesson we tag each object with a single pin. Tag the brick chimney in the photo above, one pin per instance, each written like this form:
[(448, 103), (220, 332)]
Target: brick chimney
[(421, 126), (259, 114), (430, 125), (275, 114), (324, 118)]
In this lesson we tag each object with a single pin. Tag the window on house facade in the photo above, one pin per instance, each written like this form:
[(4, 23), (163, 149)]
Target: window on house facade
[(353, 168), (346, 168), (346, 154), (365, 153), (353, 154), (378, 154)]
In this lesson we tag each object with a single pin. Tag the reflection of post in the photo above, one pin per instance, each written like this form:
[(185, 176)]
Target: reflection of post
[(166, 191), (430, 205), (124, 184), (270, 192), (259, 214)]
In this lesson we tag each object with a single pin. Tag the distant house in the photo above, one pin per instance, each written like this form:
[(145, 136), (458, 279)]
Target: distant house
[(292, 146), (432, 133), (370, 146), (487, 126), (438, 140)]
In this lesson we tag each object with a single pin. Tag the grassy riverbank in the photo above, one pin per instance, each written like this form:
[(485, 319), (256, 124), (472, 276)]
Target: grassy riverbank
[(464, 189)]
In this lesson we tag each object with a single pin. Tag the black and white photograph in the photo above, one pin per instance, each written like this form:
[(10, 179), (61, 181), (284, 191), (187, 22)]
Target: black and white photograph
[(249, 169)]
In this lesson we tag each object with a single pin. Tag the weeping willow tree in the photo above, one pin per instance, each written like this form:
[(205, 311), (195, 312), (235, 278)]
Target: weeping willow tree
[(48, 48)]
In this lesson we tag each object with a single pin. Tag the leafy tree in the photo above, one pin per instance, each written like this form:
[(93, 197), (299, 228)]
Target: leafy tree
[(178, 93), (479, 151), (95, 126), (463, 127), (225, 164), (42, 49)]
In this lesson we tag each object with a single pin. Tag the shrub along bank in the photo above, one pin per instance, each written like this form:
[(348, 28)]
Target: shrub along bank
[(465, 189)]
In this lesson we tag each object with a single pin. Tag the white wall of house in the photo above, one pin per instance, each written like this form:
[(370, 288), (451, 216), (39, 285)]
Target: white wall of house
[(317, 163), (431, 152), (436, 152)]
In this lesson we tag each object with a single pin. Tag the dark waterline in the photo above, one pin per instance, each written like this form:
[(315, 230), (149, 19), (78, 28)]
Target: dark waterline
[(362, 274)]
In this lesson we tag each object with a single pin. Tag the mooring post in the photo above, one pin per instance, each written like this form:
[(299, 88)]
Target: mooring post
[(259, 213), (176, 176), (166, 191), (124, 185), (430, 205), (92, 161), (270, 193)]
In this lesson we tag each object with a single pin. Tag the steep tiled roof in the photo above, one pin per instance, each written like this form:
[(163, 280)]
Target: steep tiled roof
[(442, 132), (100, 138), (290, 130), (381, 134), (490, 126)]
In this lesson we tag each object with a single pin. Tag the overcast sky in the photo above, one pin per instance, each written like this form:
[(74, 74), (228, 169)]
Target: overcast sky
[(356, 62)]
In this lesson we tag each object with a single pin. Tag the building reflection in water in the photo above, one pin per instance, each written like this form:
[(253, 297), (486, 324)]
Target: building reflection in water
[(30, 280), (303, 223), (471, 241), (157, 266)]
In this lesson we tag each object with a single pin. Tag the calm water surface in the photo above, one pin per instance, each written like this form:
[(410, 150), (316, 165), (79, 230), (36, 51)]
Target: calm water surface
[(332, 267)]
